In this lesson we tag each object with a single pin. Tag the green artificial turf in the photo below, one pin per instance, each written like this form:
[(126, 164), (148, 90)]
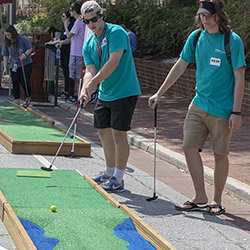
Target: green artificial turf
[(21, 125), (84, 219)]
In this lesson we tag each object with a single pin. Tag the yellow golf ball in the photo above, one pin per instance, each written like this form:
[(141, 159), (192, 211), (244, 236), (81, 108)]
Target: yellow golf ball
[(53, 208)]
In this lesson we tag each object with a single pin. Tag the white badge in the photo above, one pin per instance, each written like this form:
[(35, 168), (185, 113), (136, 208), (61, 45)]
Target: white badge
[(215, 61), (104, 41)]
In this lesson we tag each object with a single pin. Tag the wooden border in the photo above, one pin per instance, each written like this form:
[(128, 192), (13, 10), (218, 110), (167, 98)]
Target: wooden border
[(82, 148), (14, 226), (143, 229)]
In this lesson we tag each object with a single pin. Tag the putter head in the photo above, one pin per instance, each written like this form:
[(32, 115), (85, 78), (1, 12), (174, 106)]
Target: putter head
[(152, 198), (46, 169)]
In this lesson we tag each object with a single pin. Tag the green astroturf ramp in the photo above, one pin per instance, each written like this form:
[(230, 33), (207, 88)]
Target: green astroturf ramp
[(21, 125), (84, 219)]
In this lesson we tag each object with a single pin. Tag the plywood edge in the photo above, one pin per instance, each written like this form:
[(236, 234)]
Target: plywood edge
[(147, 232), (100, 190), (30, 110), (2, 202), (6, 140), (14, 226), (43, 117)]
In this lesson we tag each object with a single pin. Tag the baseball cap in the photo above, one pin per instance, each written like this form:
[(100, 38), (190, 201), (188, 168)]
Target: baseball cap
[(90, 7), (206, 7)]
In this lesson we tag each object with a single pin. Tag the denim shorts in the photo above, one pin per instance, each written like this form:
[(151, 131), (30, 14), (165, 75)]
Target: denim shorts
[(75, 66)]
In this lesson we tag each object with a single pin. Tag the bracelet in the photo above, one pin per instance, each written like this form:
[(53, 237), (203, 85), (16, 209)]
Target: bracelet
[(25, 54), (235, 113)]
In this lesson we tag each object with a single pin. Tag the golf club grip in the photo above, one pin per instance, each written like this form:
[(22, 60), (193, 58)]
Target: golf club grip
[(20, 54), (155, 117)]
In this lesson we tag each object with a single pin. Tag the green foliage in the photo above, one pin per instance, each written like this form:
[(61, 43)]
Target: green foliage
[(32, 25), (239, 14), (161, 31)]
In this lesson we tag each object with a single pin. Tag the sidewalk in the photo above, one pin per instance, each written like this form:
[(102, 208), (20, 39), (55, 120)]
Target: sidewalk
[(171, 114), (183, 230)]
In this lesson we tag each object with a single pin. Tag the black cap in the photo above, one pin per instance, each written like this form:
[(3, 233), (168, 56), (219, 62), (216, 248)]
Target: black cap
[(206, 7)]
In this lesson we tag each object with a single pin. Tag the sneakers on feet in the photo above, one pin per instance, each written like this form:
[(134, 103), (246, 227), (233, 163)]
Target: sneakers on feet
[(113, 186), (72, 99), (101, 178), (63, 95)]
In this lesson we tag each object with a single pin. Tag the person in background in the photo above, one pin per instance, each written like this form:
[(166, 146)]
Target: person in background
[(216, 108), (14, 46), (109, 62), (1, 57), (68, 23), (76, 39), (132, 38)]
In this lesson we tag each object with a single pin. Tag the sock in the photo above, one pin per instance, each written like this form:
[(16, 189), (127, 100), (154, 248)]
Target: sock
[(109, 171), (119, 175)]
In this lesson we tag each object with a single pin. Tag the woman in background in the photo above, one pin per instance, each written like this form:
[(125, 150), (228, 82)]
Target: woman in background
[(17, 48)]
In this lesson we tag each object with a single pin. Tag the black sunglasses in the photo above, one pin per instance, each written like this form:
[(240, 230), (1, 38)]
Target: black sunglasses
[(93, 20)]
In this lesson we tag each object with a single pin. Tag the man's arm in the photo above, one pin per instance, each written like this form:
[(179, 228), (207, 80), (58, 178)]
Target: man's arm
[(173, 75), (90, 72), (105, 72), (235, 121)]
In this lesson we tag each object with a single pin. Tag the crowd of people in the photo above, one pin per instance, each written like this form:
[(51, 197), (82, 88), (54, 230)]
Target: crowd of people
[(105, 51)]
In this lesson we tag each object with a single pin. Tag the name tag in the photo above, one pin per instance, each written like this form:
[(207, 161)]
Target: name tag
[(104, 41), (215, 61)]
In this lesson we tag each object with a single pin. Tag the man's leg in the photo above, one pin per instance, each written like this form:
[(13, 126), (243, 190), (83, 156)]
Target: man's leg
[(121, 148), (195, 167), (106, 137), (220, 177)]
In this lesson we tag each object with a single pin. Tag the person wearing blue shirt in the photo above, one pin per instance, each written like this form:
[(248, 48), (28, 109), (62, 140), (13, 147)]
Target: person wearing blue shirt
[(132, 38), (109, 62), (216, 108), (17, 48)]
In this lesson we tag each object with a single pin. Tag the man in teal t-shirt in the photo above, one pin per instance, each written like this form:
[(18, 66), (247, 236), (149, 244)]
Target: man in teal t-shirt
[(216, 108), (109, 62)]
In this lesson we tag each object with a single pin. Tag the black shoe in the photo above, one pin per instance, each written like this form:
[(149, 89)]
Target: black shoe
[(72, 99), (63, 95)]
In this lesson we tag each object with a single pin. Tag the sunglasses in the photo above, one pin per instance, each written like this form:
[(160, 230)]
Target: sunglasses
[(93, 20)]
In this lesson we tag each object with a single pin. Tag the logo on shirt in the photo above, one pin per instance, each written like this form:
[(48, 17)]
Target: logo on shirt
[(104, 41), (215, 61)]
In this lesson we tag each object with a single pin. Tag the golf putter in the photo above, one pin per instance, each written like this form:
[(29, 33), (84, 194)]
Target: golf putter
[(50, 167), (154, 197), (79, 91), (26, 104)]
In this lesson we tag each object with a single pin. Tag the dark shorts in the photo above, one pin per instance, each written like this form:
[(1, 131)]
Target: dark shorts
[(116, 114)]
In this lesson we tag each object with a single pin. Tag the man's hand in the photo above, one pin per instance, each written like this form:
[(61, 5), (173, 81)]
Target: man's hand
[(235, 122), (153, 101)]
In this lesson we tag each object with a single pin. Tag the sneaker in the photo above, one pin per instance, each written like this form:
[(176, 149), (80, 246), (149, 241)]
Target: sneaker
[(63, 95), (101, 178), (113, 186), (72, 99)]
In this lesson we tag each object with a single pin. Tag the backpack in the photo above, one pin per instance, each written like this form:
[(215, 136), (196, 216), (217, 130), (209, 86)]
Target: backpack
[(226, 43)]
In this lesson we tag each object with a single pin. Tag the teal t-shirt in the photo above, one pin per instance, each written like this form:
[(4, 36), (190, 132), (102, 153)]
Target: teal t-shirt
[(123, 82), (215, 80)]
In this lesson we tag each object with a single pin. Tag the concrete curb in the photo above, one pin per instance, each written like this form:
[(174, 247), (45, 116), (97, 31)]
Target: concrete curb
[(233, 186)]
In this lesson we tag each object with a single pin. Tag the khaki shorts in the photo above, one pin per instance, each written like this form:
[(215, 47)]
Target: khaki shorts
[(199, 124)]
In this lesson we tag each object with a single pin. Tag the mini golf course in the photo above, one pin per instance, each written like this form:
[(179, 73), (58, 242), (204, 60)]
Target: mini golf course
[(25, 131), (86, 216)]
